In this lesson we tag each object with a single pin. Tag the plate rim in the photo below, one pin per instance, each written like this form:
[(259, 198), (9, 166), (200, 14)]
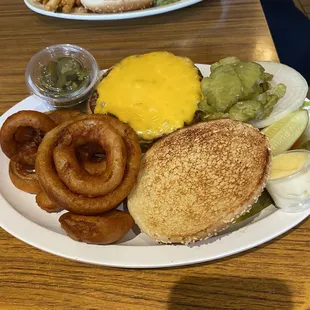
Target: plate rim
[(114, 16), (177, 255)]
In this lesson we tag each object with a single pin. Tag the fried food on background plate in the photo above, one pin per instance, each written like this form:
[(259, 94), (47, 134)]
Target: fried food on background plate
[(65, 6)]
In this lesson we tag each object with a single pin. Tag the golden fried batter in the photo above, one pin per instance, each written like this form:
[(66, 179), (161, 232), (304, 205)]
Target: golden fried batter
[(79, 9), (52, 5), (65, 6)]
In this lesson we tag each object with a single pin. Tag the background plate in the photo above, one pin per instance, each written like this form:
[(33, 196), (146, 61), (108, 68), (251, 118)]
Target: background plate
[(38, 8), (21, 217)]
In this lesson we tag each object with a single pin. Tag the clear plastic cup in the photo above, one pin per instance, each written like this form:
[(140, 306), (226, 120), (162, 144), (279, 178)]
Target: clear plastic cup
[(42, 58), (291, 193)]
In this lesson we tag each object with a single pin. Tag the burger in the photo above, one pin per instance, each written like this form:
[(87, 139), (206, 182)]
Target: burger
[(116, 6), (198, 180), (155, 93)]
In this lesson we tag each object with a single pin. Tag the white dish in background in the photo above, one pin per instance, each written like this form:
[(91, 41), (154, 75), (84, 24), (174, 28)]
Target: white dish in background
[(21, 217), (38, 8)]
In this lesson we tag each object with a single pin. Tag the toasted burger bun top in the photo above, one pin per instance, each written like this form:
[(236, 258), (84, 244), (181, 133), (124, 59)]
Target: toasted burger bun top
[(114, 6), (195, 182)]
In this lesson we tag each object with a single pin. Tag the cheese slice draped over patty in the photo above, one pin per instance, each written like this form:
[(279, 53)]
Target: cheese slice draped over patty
[(155, 93)]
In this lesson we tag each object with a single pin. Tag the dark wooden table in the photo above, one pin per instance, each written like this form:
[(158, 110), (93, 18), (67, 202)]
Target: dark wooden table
[(272, 276)]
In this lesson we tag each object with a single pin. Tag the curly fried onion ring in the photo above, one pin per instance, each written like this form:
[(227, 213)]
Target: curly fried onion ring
[(55, 188), (61, 116), (24, 178), (46, 204), (105, 228), (68, 168), (19, 148), (91, 157)]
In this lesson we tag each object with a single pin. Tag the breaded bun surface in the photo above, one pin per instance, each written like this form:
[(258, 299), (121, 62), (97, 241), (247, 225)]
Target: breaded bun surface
[(196, 181), (116, 6)]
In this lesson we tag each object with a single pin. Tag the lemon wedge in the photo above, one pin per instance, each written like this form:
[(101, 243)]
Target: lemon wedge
[(285, 132)]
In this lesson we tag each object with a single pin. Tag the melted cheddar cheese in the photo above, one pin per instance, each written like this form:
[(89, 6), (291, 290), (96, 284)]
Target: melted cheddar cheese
[(155, 93)]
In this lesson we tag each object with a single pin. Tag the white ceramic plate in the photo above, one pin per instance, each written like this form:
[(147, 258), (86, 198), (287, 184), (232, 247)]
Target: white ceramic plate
[(38, 8), (21, 217)]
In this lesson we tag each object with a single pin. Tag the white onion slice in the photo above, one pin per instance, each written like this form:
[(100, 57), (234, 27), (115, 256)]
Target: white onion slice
[(296, 92)]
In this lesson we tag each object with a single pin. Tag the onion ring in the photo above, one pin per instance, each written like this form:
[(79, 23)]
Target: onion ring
[(46, 204), (18, 149), (26, 134), (88, 151), (61, 116), (89, 154), (106, 228), (24, 178), (68, 167), (94, 167), (91, 157), (58, 192)]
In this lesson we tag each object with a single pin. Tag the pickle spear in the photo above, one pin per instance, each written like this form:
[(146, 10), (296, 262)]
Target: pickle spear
[(285, 132)]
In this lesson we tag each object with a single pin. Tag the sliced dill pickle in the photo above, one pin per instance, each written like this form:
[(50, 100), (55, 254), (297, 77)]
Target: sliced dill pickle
[(52, 71), (61, 82), (66, 64), (285, 132)]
